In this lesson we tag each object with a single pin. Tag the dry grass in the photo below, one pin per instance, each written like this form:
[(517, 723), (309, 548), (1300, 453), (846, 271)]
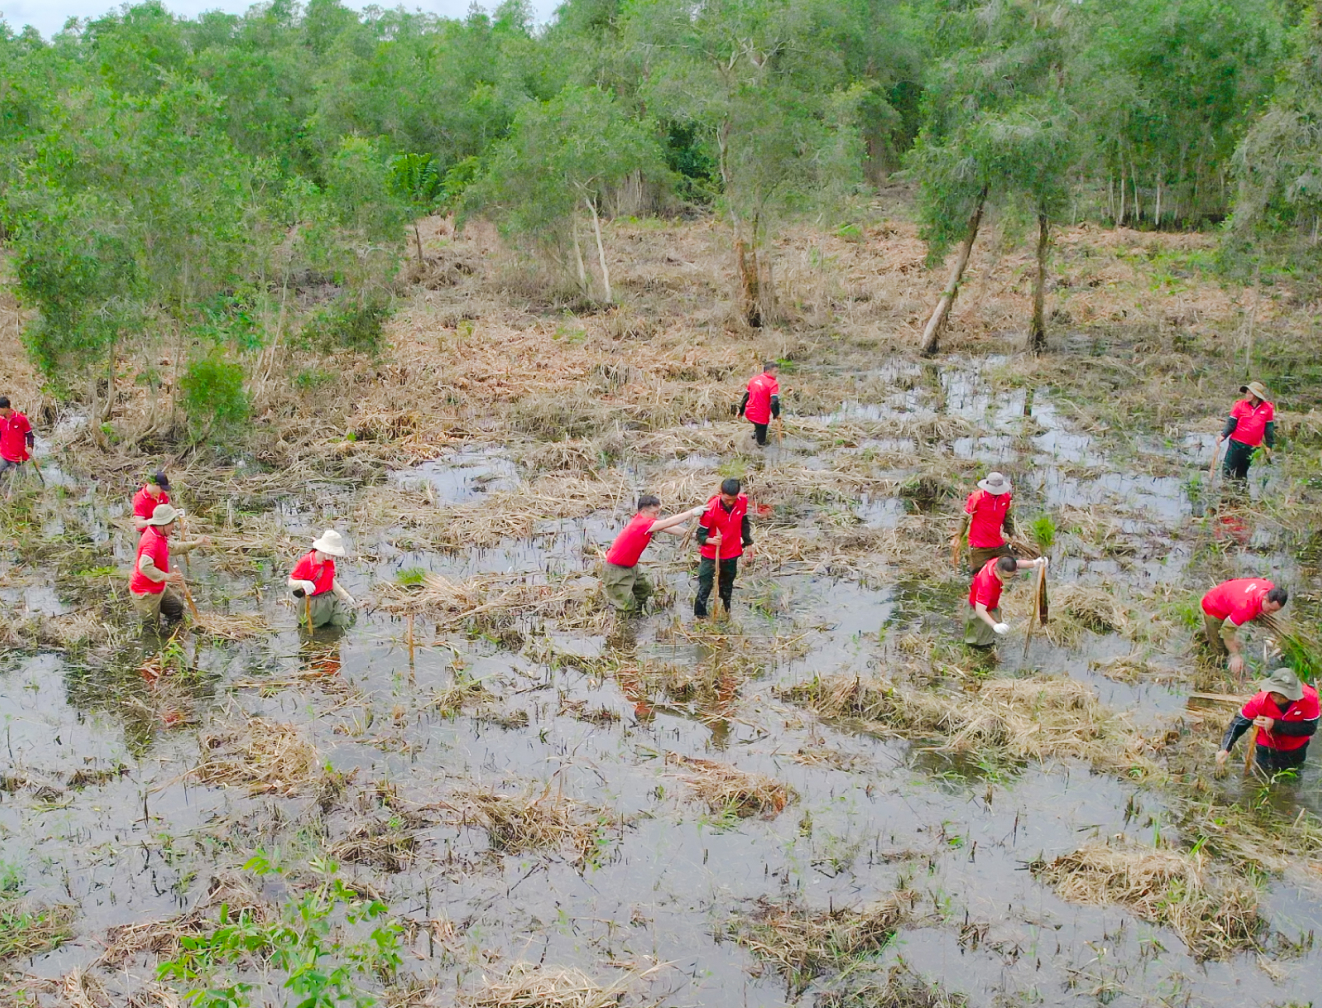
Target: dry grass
[(377, 843), (526, 821), (802, 944), (1215, 914), (528, 986), (1076, 608), (27, 929), (728, 791), (573, 602), (900, 987), (234, 626), (265, 756), (463, 692), (1035, 718)]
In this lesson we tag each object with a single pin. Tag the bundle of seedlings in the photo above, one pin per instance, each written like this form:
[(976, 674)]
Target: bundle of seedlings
[(727, 791), (1216, 914), (1301, 650), (802, 944), (527, 821), (531, 986), (266, 756)]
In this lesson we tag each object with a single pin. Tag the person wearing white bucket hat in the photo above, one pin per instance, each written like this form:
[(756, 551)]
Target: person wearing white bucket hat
[(986, 522), (325, 602)]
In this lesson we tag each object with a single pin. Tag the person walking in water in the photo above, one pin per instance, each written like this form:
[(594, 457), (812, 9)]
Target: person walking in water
[(1252, 422), (1284, 711), (723, 535), (321, 599), (1230, 605), (623, 581), (154, 588), (761, 402), (986, 522)]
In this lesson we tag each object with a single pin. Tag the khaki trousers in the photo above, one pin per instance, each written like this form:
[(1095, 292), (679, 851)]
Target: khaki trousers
[(976, 631), (626, 588)]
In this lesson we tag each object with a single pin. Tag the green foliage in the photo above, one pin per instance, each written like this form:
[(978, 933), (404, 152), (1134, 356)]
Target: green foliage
[(410, 576), (330, 947), (1044, 532), (214, 398), (415, 178), (350, 324)]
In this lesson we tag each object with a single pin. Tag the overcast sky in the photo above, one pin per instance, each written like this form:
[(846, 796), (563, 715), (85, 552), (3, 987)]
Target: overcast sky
[(48, 16)]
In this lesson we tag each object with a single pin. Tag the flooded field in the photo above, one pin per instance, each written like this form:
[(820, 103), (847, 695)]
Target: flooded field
[(826, 800)]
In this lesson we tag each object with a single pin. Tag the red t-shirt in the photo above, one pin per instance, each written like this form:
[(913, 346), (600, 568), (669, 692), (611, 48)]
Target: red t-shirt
[(1239, 600), (1303, 709), (156, 546), (630, 543), (729, 524), (14, 437), (322, 575), (1251, 421), (986, 587), (987, 513), (144, 503), (760, 391)]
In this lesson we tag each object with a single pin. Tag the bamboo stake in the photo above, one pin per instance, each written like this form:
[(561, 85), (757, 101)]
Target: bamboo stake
[(1251, 750), (307, 610), (410, 637), (1039, 585), (192, 606)]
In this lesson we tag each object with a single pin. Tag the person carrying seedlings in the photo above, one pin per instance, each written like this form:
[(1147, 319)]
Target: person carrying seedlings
[(154, 492), (153, 587), (16, 437), (1230, 605), (761, 401), (982, 618), (1252, 422), (625, 584), (986, 522), (322, 600), (1285, 712), (724, 533)]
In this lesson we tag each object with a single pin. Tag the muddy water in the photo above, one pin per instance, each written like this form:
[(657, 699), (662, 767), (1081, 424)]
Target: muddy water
[(144, 844)]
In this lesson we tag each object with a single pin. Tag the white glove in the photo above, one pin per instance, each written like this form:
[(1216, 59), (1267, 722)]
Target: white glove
[(697, 512), (1002, 628), (1042, 561), (309, 587)]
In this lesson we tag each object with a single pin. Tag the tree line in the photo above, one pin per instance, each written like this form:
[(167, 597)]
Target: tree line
[(175, 187)]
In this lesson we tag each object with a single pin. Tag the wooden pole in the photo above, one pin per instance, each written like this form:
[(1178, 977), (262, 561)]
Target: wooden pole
[(192, 606), (1039, 586), (780, 431), (307, 610), (716, 580), (1251, 750)]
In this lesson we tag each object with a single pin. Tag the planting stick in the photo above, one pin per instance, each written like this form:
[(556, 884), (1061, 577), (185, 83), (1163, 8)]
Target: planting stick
[(192, 606), (1252, 749), (716, 580), (1211, 470), (40, 475), (1039, 595), (307, 610)]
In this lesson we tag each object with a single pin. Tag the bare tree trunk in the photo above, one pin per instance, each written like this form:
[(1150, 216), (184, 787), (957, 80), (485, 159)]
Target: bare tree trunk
[(578, 257), (601, 252), (1037, 339), (932, 332), (417, 236), (750, 284)]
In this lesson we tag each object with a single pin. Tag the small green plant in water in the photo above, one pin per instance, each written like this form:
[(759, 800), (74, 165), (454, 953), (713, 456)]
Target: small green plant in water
[(1044, 532), (410, 576)]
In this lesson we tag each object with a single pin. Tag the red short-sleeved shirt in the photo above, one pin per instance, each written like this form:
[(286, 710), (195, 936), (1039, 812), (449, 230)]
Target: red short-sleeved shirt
[(144, 503), (760, 391), (1239, 600), (987, 515), (729, 524), (986, 587), (1303, 709), (14, 437), (1251, 421), (156, 546), (320, 574), (631, 542)]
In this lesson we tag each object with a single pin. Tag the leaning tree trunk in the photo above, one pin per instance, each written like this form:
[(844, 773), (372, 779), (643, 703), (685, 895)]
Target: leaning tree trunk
[(601, 252), (1037, 339), (750, 282), (932, 332)]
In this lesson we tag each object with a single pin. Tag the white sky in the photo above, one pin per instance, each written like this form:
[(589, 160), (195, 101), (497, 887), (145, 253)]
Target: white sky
[(48, 16)]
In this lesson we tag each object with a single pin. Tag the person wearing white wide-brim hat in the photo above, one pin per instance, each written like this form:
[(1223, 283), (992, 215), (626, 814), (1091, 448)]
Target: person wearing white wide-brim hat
[(321, 599), (985, 523)]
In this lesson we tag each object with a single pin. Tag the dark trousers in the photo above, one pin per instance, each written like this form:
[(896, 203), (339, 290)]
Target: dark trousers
[(1276, 760), (759, 432), (1238, 457), (706, 575), (979, 555)]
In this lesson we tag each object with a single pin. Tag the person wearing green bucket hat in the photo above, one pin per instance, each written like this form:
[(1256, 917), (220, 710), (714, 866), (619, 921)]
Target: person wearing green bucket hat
[(1285, 713)]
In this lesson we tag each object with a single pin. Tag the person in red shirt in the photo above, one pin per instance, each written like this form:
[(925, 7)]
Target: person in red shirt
[(761, 401), (1252, 422), (1285, 712), (723, 529), (16, 438), (625, 585), (982, 616), (986, 521), (152, 585), (322, 600), (1230, 605), (153, 492)]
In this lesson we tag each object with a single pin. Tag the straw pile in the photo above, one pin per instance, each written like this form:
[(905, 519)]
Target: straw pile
[(268, 757), (234, 626), (728, 791), (530, 986), (1215, 915), (801, 944), (463, 692), (573, 602), (525, 822), (1077, 607)]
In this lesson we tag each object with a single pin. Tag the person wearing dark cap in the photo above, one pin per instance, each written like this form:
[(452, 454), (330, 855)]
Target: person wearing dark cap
[(1285, 712), (986, 521), (1252, 422), (154, 491), (723, 535)]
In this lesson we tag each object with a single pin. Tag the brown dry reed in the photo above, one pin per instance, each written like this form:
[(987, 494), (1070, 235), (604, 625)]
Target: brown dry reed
[(899, 987), (728, 791), (529, 986), (526, 821), (265, 756)]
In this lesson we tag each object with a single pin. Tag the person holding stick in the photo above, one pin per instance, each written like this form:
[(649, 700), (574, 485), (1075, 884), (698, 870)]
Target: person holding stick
[(1283, 714), (16, 437), (1230, 605), (982, 616), (723, 535), (155, 589), (625, 584), (324, 601), (761, 401), (1252, 422), (154, 491), (986, 522)]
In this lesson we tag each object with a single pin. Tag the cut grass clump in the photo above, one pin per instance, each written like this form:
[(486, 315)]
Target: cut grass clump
[(463, 692), (525, 822), (802, 944), (1215, 915), (529, 986), (900, 988), (267, 757), (1076, 608), (27, 930), (728, 791)]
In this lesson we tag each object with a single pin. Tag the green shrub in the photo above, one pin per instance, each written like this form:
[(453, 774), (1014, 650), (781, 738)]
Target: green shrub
[(214, 398), (355, 324)]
